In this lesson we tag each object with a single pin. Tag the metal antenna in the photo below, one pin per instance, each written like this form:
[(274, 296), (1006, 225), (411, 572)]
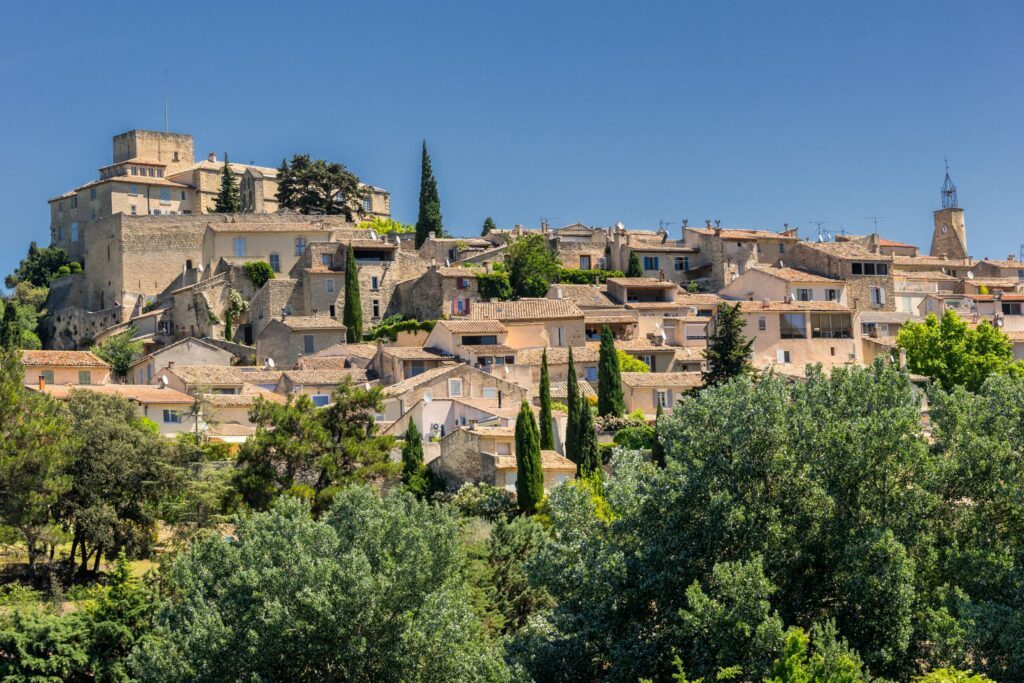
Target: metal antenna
[(1022, 251), (166, 129), (949, 198), (663, 225), (876, 220), (818, 224)]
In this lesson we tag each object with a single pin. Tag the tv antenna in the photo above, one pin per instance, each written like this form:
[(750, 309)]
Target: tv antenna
[(166, 129), (818, 224), (663, 225), (875, 220)]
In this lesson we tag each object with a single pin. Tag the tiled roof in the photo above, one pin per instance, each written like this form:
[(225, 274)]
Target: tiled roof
[(792, 274), (743, 234), (654, 380), (1015, 263), (361, 350), (584, 296), (610, 316), (320, 362), (847, 250), (641, 282), (248, 395), (886, 317), (883, 242), (923, 275), (413, 353), (229, 429), (990, 297), (525, 310), (642, 345), (223, 374), (654, 305), (549, 460), (701, 300), (186, 340), (472, 326), (560, 390), (325, 377), (276, 226), (140, 393), (663, 247), (931, 261), (557, 355), (458, 271), (489, 349), (69, 359), (312, 322), (424, 377), (794, 306)]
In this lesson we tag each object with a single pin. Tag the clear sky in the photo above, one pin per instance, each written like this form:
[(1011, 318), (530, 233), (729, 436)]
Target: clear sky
[(755, 113)]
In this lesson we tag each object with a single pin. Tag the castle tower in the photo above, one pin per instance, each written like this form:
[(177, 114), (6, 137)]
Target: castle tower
[(949, 238)]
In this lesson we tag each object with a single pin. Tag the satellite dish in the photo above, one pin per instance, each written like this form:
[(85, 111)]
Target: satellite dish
[(507, 371), (427, 397), (373, 234), (447, 262), (970, 274), (164, 381), (367, 386), (620, 226), (269, 365), (664, 336), (200, 268)]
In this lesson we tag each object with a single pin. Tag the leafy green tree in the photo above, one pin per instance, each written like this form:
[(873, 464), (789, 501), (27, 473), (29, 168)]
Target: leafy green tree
[(39, 646), (372, 591), (39, 266), (529, 470), (120, 350), (259, 273), (609, 378), (227, 196), (728, 353), (236, 306), (20, 314), (628, 363), (383, 225), (509, 547), (657, 447), (955, 354), (352, 314), (531, 266), (319, 187), (10, 327), (816, 658), (494, 286), (572, 402), (414, 471), (633, 269), (488, 226), (547, 435), (587, 454), (952, 676), (428, 219)]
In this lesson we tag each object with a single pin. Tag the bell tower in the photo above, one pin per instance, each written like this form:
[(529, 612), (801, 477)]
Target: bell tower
[(949, 238)]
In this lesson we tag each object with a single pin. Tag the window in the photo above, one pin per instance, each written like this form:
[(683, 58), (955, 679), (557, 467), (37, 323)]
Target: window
[(156, 212), (591, 374), (152, 173), (133, 189), (368, 204), (1020, 273), (1011, 308), (648, 360), (376, 308), (239, 246), (490, 392), (662, 398), (74, 232), (135, 171), (455, 387), (803, 294), (831, 295), (92, 193), (584, 262), (830, 326), (762, 324), (60, 232), (330, 284), (877, 296), (782, 356), (503, 448), (332, 311), (327, 260), (374, 283), (135, 211), (183, 195), (882, 269), (84, 377), (74, 202), (792, 326), (307, 343), (560, 334), (782, 248), (172, 417), (275, 262), (320, 400), (300, 245), (650, 263), (47, 376), (858, 268), (165, 195)]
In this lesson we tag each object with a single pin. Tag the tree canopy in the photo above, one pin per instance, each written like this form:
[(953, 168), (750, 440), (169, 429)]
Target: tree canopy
[(120, 350), (609, 377), (531, 266), (488, 226), (428, 220), (227, 196), (39, 266), (728, 352), (315, 186)]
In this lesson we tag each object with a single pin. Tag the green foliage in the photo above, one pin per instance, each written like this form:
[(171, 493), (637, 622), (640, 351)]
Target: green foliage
[(728, 353), (20, 314), (485, 501), (574, 276), (318, 187), (428, 220), (628, 363), (587, 455), (825, 660), (657, 447), (635, 438), (529, 471), (374, 590), (531, 266), (509, 547), (414, 470), (952, 676), (488, 226), (39, 266), (120, 350), (259, 273), (227, 196), (494, 286), (547, 434), (386, 226), (956, 354), (352, 315), (389, 327), (326, 447), (609, 379), (634, 269), (574, 401)]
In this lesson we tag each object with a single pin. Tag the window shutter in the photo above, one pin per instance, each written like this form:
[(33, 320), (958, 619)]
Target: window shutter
[(780, 356)]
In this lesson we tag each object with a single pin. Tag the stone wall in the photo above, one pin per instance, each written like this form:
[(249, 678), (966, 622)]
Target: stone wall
[(460, 459)]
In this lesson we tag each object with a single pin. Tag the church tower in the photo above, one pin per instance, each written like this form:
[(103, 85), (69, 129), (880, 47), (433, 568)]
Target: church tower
[(950, 236)]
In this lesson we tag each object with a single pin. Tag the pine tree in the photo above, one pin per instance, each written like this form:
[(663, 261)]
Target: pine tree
[(547, 436), (609, 387), (227, 196), (634, 269), (657, 448), (728, 353), (488, 226), (414, 471), (429, 218), (352, 315), (586, 438), (529, 471), (10, 329), (573, 403)]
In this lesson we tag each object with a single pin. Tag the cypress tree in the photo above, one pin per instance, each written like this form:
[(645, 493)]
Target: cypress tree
[(547, 436), (227, 196), (10, 330), (657, 448), (488, 226), (572, 403), (609, 388), (728, 353), (529, 472), (352, 315), (412, 453), (429, 218), (586, 439), (228, 321), (634, 269)]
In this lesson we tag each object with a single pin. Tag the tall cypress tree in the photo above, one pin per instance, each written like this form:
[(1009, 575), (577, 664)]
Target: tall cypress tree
[(657, 448), (586, 439), (547, 436), (227, 196), (529, 471), (412, 454), (352, 315), (609, 388), (488, 226), (10, 330), (573, 404), (634, 269), (728, 353), (429, 218)]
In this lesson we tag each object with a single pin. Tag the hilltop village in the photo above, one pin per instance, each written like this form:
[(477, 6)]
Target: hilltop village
[(454, 348)]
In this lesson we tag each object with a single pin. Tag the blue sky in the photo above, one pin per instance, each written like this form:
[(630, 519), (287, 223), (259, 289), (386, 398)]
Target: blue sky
[(754, 113)]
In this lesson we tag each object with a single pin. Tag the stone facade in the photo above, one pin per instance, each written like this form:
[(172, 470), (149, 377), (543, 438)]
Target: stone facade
[(839, 260), (950, 236)]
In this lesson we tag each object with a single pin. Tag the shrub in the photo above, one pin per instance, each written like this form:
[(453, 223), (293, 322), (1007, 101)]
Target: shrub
[(259, 272), (574, 276), (615, 423), (482, 500), (494, 286), (391, 326), (635, 438)]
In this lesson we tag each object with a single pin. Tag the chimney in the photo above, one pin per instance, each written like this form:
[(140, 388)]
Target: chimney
[(431, 235), (42, 383), (212, 157), (170, 365)]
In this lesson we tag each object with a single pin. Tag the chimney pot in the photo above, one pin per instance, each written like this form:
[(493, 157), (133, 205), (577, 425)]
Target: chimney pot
[(170, 365), (212, 157)]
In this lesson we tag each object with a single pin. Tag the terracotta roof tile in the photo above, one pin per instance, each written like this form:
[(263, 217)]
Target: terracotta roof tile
[(140, 393), (70, 359), (795, 306), (325, 377), (525, 310), (312, 322), (473, 326), (793, 274), (557, 355), (654, 380)]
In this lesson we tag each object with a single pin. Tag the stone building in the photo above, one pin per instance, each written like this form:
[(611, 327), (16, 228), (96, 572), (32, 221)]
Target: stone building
[(285, 338), (868, 276)]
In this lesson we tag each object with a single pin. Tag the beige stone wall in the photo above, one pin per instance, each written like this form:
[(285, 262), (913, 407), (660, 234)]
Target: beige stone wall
[(65, 375), (174, 149), (275, 295), (828, 352), (284, 345), (950, 235), (460, 460), (188, 353)]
